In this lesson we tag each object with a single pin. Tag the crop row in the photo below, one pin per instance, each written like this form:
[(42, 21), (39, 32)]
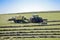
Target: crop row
[(10, 29), (29, 25)]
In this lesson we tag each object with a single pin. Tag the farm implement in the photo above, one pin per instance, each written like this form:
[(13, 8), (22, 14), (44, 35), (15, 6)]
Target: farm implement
[(35, 19)]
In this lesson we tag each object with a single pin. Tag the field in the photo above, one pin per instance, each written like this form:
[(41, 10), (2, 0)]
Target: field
[(50, 16), (35, 32)]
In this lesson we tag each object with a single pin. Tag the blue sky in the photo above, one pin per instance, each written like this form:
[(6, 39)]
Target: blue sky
[(15, 6)]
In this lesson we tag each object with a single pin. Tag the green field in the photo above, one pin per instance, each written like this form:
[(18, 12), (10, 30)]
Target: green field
[(50, 16), (32, 39)]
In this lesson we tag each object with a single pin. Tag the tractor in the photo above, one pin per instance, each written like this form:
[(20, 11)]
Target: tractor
[(34, 19)]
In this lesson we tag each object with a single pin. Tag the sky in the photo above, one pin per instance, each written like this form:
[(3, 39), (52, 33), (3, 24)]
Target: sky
[(16, 6)]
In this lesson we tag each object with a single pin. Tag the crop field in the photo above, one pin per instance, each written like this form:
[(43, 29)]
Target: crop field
[(30, 31)]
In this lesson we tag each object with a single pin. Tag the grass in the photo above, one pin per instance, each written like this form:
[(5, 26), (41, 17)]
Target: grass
[(32, 39), (50, 16), (39, 39)]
